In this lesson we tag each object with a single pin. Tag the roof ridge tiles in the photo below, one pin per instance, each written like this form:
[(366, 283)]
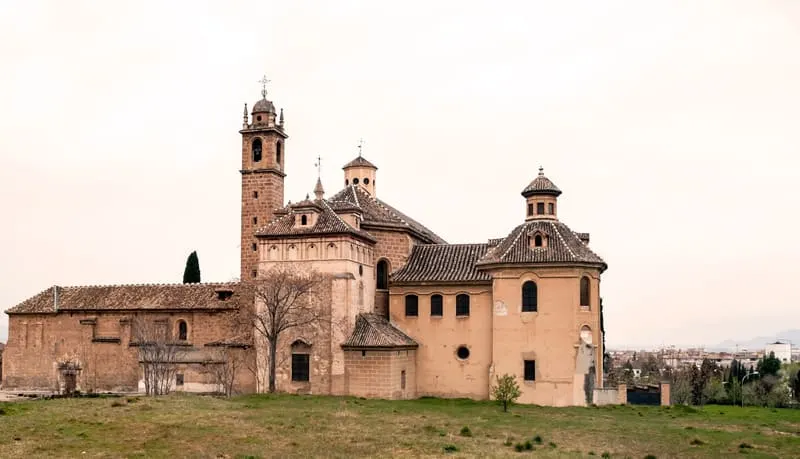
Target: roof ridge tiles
[(561, 237)]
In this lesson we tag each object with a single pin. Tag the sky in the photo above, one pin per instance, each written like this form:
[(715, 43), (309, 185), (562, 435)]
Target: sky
[(670, 126)]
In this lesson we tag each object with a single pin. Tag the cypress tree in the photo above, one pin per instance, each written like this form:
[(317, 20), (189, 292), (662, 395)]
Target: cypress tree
[(191, 274)]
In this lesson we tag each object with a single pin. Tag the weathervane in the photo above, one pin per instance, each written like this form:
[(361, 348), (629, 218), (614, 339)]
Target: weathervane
[(264, 82), (360, 145), (318, 165)]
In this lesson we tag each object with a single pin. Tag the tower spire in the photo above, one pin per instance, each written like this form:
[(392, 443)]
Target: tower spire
[(360, 145), (319, 192), (280, 121), (245, 119)]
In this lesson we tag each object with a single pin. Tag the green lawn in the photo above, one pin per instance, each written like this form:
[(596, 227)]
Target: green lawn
[(303, 426)]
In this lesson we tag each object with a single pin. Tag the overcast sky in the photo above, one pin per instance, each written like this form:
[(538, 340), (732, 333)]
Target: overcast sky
[(673, 129)]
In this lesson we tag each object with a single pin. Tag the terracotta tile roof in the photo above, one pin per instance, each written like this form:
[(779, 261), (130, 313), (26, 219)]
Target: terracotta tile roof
[(360, 161), (328, 222), (377, 214), (442, 263), (132, 297), (374, 331), (541, 185), (563, 246)]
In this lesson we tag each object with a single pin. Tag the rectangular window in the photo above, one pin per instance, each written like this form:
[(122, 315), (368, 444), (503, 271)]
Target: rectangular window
[(179, 379), (300, 364), (540, 208), (254, 274), (403, 379), (255, 220), (255, 247), (462, 305), (530, 370), (530, 209), (255, 194), (551, 209), (437, 308), (412, 306)]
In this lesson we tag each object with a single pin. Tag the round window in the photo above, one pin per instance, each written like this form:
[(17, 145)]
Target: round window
[(355, 181), (462, 352), (366, 181), (258, 118)]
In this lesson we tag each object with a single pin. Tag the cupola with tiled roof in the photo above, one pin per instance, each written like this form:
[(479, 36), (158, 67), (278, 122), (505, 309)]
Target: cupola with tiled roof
[(541, 198), (361, 173)]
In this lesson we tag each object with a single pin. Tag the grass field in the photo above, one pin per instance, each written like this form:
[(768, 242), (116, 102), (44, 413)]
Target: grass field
[(303, 426)]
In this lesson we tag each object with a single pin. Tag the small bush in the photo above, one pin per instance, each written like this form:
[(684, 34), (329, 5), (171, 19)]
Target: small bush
[(552, 445), (519, 447), (591, 453), (450, 448), (465, 432), (2, 411), (689, 427), (745, 446), (537, 439), (117, 403), (697, 442), (605, 454), (650, 456)]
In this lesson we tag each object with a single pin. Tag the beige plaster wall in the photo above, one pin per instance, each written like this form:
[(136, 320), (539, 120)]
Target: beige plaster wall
[(439, 371), (550, 336), (378, 373)]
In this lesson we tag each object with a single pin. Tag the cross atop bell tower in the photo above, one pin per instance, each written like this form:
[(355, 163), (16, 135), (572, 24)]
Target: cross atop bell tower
[(263, 175)]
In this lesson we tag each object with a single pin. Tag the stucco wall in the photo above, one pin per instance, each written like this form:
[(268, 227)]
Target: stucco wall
[(550, 336), (439, 371)]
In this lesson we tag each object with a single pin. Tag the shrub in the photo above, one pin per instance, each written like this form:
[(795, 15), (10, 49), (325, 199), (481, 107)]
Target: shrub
[(506, 391), (117, 403), (697, 442), (450, 448), (605, 454), (465, 432), (745, 446), (528, 445), (552, 445), (537, 439), (519, 447), (650, 456)]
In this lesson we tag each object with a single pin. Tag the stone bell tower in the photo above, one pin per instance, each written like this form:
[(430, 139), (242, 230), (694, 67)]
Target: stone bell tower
[(262, 172)]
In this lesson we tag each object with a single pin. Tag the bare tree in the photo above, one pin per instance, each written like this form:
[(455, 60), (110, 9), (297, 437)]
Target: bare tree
[(224, 363), (159, 355), (287, 298)]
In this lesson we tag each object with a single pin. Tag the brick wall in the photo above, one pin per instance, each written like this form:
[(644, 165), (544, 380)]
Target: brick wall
[(269, 187), (379, 374), (99, 342)]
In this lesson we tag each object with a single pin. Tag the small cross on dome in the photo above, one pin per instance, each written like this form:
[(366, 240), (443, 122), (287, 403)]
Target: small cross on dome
[(541, 170), (264, 82)]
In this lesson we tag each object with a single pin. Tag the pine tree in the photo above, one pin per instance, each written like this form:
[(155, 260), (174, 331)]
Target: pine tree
[(191, 274)]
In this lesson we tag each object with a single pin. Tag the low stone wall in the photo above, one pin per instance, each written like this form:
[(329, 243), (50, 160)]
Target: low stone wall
[(605, 396)]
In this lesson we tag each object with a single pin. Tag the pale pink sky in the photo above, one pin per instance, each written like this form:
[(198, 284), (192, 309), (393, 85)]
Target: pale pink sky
[(673, 129)]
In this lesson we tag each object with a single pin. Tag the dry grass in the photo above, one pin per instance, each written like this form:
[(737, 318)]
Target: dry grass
[(306, 426)]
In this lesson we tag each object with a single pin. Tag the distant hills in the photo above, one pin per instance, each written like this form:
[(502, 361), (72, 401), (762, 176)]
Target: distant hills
[(758, 343)]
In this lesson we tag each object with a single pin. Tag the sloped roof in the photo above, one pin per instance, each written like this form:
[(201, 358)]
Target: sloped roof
[(378, 214), (132, 297), (442, 263), (541, 185), (359, 162), (328, 222), (563, 246), (374, 331)]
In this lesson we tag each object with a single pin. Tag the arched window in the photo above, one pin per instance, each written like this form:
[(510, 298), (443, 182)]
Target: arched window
[(304, 220), (437, 309), (278, 151), (585, 297), (256, 150), (530, 295), (183, 330), (383, 275), (412, 306), (462, 305), (586, 334), (301, 368), (537, 240)]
